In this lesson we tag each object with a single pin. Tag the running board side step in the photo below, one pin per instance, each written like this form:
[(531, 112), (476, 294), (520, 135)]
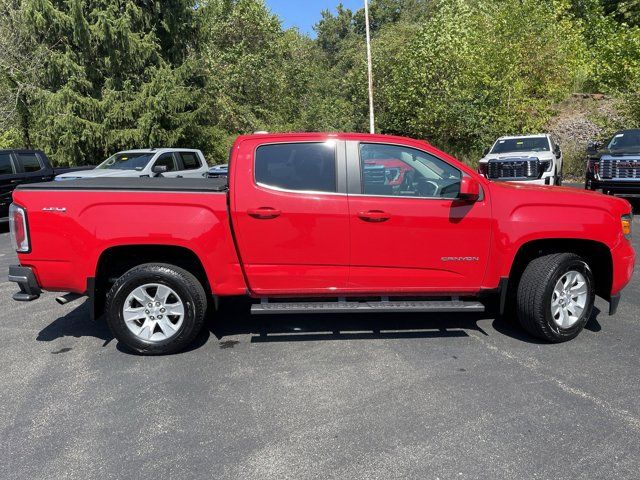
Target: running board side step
[(265, 307)]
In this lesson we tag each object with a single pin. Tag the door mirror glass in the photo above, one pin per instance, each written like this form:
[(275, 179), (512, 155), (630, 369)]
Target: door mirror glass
[(159, 169), (485, 152), (469, 189)]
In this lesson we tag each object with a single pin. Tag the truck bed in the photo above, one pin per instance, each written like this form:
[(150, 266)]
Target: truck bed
[(136, 184)]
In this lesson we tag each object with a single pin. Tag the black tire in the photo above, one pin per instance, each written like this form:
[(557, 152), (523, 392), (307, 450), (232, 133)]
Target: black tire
[(558, 181), (188, 288), (535, 291)]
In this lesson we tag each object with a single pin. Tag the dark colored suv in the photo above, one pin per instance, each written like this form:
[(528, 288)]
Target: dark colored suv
[(24, 166), (614, 166)]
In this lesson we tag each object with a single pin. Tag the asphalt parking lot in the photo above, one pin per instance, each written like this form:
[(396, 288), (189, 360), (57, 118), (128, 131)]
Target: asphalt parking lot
[(385, 396)]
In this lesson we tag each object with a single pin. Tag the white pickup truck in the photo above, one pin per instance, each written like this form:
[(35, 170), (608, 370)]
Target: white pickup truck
[(168, 162), (533, 159)]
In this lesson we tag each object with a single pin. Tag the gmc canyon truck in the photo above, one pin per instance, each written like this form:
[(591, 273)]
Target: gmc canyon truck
[(321, 223)]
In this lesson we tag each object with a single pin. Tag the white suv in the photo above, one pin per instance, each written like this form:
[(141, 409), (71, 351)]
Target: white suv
[(533, 159), (168, 162)]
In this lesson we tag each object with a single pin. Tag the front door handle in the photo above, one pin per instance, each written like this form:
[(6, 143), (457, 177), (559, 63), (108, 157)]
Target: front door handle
[(374, 216), (264, 213)]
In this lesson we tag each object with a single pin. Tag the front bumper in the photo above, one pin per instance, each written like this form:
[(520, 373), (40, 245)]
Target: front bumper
[(614, 186), (26, 280), (547, 178)]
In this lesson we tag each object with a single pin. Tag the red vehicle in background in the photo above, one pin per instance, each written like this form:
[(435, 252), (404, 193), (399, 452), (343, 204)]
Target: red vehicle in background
[(321, 223)]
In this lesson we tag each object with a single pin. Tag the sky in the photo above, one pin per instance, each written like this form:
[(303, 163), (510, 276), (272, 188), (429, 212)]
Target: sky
[(304, 14)]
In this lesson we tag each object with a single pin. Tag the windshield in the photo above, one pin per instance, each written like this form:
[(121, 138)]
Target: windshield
[(126, 161), (526, 144), (625, 140)]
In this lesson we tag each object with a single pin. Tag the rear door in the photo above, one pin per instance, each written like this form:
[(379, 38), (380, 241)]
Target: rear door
[(189, 165), (409, 231), (33, 167), (8, 181), (290, 215)]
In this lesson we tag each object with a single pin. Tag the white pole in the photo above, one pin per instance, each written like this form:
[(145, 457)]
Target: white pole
[(372, 122)]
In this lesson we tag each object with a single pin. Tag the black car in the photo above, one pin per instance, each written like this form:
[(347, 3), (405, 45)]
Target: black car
[(24, 166), (614, 165)]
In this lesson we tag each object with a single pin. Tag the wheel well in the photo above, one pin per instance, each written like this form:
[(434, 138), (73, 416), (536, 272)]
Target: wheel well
[(115, 261), (596, 254)]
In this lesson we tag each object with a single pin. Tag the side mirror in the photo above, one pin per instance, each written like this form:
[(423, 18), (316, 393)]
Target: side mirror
[(485, 152), (594, 146), (469, 189), (158, 170)]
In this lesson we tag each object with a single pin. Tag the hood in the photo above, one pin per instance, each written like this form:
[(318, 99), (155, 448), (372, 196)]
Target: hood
[(507, 156), (99, 173), (523, 193), (614, 154)]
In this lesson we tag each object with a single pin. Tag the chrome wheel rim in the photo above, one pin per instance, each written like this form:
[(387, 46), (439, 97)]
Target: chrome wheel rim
[(153, 312), (569, 299)]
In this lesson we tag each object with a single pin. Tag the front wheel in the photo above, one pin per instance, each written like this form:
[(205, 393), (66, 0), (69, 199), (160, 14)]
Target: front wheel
[(156, 308), (555, 296)]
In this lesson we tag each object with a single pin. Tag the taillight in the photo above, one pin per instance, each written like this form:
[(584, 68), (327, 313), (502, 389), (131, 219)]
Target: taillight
[(18, 228)]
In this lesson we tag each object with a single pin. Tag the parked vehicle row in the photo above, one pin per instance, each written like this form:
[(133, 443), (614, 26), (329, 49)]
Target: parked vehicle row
[(19, 166), (612, 166), (322, 223)]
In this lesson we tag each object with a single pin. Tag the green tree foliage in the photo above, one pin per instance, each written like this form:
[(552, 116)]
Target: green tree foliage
[(83, 78), (476, 71), (117, 75)]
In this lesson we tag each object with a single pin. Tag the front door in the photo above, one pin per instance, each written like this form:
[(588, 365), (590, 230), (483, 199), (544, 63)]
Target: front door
[(290, 216), (409, 232), (167, 160)]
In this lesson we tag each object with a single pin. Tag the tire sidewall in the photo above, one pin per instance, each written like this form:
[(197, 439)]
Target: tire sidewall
[(161, 276), (577, 265)]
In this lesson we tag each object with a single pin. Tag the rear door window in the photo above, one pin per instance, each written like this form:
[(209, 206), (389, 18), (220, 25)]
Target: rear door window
[(297, 166), (6, 166), (29, 161), (190, 160)]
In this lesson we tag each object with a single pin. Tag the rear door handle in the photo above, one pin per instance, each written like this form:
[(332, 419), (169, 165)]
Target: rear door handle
[(374, 216), (264, 213)]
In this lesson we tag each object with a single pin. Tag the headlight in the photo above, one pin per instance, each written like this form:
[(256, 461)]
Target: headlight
[(545, 165), (627, 225)]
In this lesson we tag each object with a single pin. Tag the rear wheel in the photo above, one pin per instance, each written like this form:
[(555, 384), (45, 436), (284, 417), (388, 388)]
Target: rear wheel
[(156, 308), (555, 296)]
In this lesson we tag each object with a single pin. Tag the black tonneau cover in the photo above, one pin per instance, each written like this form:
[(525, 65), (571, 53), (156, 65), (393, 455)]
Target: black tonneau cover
[(136, 183)]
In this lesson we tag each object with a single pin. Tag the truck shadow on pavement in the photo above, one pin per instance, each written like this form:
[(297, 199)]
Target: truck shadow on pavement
[(76, 324), (233, 318)]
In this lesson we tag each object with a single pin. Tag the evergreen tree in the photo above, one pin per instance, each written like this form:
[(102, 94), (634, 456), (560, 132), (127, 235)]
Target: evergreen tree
[(119, 75)]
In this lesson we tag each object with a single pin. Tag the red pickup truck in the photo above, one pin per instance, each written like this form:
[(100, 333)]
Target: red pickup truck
[(308, 223)]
